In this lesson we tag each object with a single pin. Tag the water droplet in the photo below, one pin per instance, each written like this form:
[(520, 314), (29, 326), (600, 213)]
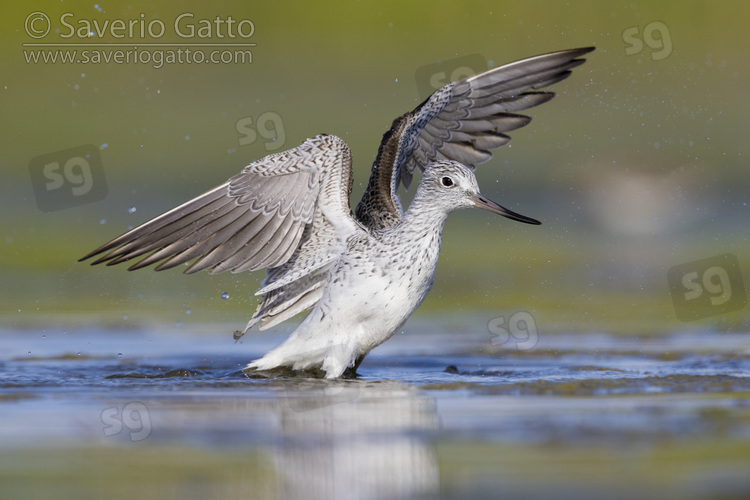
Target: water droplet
[(131, 210), (119, 354), (225, 295), (103, 221), (188, 311)]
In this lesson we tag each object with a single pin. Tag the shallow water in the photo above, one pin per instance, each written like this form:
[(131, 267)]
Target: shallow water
[(168, 414)]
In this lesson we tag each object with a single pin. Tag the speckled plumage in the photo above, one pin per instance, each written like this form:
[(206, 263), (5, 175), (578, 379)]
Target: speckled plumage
[(362, 275)]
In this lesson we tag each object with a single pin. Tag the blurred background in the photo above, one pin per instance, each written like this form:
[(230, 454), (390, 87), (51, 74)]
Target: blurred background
[(638, 165)]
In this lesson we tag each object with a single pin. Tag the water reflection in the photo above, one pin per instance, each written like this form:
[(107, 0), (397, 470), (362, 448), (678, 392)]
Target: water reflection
[(576, 407), (356, 440)]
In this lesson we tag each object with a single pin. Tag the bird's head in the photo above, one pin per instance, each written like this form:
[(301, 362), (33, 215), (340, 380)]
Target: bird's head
[(454, 186)]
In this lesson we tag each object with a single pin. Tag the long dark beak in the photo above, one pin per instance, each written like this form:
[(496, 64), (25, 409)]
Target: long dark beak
[(489, 205)]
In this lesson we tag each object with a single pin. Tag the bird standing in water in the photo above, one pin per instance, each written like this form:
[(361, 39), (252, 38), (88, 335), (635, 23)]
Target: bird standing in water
[(362, 274)]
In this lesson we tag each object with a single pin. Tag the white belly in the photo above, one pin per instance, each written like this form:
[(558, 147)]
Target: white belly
[(364, 303)]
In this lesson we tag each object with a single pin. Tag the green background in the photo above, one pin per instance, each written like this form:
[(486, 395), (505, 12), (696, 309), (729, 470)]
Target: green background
[(638, 165)]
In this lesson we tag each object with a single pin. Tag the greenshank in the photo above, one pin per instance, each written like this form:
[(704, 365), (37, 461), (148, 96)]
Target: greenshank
[(363, 273)]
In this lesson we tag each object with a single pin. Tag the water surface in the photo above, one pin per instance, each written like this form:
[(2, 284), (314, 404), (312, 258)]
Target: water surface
[(168, 414)]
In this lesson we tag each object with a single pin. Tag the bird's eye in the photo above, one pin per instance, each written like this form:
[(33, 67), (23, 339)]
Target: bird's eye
[(446, 181)]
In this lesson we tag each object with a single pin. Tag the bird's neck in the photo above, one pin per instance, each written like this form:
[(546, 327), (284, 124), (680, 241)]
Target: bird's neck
[(425, 218)]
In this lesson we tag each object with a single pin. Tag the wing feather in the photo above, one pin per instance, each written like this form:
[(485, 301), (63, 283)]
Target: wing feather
[(461, 121), (254, 220)]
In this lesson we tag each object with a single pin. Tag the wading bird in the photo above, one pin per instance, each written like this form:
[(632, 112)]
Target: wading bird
[(363, 274)]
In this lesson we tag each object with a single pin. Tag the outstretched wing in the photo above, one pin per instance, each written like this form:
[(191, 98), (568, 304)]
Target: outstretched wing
[(255, 220), (288, 212), (460, 121)]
